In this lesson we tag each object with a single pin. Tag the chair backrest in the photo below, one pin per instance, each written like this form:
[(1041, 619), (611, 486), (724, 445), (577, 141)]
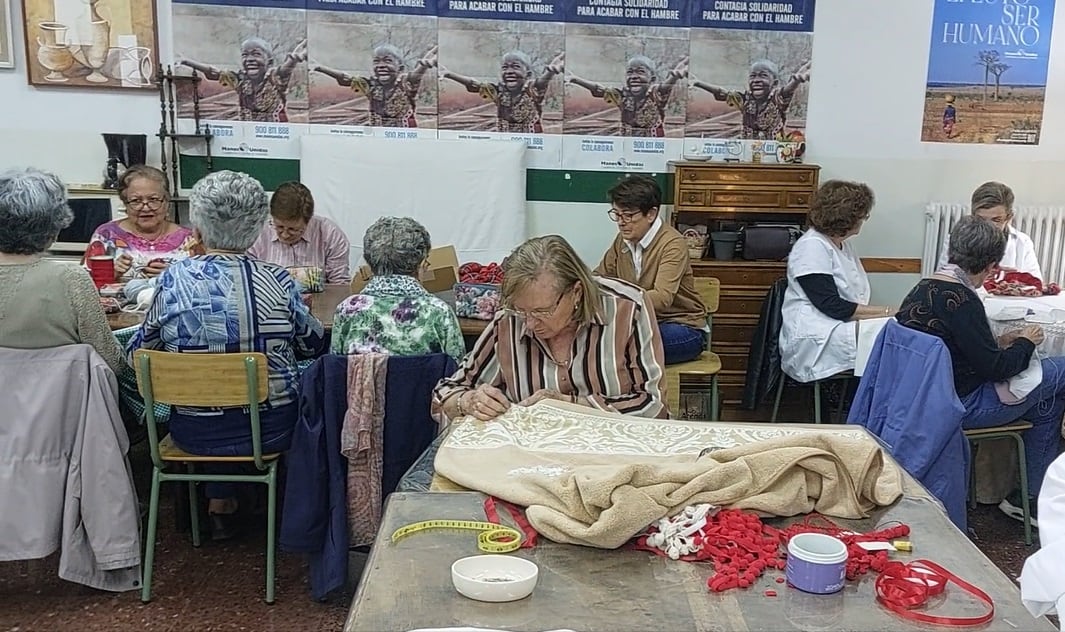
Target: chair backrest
[(202, 379), (709, 289)]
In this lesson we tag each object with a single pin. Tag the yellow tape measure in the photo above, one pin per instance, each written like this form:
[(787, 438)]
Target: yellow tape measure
[(493, 538)]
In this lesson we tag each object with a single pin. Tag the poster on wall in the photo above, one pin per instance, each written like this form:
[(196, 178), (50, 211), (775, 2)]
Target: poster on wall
[(748, 80), (987, 72), (7, 55), (606, 85), (252, 55), (501, 73), (626, 64), (372, 68)]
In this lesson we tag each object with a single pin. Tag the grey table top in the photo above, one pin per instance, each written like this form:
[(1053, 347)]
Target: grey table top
[(407, 585)]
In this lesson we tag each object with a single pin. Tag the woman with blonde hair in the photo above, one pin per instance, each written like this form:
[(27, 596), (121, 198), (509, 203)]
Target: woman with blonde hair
[(563, 335)]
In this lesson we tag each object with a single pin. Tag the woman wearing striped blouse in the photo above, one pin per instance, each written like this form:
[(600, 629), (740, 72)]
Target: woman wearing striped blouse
[(564, 335)]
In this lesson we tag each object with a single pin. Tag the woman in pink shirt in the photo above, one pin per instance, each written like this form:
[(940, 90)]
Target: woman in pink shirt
[(297, 238)]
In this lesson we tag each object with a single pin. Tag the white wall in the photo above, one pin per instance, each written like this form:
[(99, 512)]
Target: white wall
[(864, 122)]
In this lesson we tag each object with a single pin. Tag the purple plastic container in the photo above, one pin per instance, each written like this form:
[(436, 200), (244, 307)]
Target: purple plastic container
[(817, 563)]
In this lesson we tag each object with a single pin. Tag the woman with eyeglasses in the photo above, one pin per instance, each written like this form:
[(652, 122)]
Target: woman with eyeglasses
[(563, 335), (145, 242)]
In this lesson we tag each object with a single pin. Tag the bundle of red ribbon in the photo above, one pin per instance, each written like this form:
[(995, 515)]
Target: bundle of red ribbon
[(477, 273), (1019, 284)]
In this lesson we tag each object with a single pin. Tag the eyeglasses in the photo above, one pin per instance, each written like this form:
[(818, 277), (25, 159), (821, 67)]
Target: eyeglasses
[(153, 203), (621, 218), (540, 314), (289, 230)]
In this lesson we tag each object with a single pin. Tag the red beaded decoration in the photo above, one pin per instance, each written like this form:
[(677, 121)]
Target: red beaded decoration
[(742, 548)]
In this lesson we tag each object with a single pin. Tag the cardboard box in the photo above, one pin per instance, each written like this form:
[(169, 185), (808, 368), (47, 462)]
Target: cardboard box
[(440, 276)]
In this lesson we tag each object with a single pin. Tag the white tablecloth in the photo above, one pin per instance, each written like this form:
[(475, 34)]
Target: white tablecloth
[(1002, 310)]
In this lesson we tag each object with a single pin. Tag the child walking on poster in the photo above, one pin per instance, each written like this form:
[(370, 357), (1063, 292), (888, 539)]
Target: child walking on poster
[(392, 90), (950, 117), (643, 99), (262, 88), (765, 103)]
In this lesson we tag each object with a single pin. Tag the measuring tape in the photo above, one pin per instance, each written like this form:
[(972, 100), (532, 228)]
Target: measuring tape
[(493, 538)]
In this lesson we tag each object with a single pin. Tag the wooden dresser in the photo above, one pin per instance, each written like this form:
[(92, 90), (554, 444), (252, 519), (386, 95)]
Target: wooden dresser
[(725, 196)]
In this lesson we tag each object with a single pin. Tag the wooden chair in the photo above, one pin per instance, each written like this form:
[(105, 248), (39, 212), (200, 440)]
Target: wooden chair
[(207, 380), (1009, 431), (845, 376), (708, 364)]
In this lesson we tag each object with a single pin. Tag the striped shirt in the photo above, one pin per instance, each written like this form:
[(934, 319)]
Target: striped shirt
[(616, 366), (322, 245)]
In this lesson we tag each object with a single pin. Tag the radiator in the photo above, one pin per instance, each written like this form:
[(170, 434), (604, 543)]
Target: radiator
[(1044, 224)]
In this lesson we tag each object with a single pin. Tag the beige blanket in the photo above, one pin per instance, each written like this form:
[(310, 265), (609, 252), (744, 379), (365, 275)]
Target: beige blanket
[(598, 479)]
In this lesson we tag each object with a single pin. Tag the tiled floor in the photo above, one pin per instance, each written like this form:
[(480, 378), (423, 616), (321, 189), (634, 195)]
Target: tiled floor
[(220, 586)]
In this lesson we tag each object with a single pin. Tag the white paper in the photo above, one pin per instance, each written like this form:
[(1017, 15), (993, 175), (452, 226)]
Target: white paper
[(868, 330)]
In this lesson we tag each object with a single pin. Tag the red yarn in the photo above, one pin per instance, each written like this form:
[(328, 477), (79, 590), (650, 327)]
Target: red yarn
[(742, 548), (481, 274)]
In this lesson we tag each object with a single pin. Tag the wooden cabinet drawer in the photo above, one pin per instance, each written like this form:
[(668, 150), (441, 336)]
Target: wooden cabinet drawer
[(731, 331), (691, 197), (740, 273), (741, 302), (761, 175), (744, 198), (797, 199)]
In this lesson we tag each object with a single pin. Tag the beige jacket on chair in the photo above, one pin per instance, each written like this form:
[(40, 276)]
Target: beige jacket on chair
[(66, 481)]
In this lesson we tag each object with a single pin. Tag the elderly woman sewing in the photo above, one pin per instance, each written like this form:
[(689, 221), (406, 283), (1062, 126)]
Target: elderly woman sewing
[(226, 300), (946, 305), (827, 286), (565, 335), (44, 303), (394, 314), (146, 241), (297, 238)]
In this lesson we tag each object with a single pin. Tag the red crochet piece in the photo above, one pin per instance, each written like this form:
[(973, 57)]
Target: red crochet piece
[(742, 547), (481, 274), (1019, 284)]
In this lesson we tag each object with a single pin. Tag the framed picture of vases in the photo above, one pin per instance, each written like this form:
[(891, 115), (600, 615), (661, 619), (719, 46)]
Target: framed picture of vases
[(110, 44), (7, 53)]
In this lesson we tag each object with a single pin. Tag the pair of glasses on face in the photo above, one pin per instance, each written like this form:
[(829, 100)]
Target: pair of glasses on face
[(153, 203), (288, 230), (543, 313), (619, 217)]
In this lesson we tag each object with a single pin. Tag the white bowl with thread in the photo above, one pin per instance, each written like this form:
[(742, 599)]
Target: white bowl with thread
[(494, 578)]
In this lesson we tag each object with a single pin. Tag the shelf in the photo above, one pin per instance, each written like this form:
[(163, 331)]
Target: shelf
[(732, 263), (89, 189)]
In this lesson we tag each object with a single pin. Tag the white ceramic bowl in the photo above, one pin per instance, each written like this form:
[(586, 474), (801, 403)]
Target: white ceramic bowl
[(494, 578)]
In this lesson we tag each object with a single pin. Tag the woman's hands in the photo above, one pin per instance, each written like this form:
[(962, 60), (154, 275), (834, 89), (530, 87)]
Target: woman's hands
[(122, 265), (1033, 333), (485, 402), (542, 394)]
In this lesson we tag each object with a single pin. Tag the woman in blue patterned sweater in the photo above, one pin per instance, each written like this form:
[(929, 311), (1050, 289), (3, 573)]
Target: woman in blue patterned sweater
[(227, 302)]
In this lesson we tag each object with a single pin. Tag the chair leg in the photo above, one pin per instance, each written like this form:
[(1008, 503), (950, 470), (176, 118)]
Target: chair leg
[(972, 473), (1022, 465), (776, 402), (715, 400), (194, 510), (842, 401), (271, 523), (149, 547), (817, 402)]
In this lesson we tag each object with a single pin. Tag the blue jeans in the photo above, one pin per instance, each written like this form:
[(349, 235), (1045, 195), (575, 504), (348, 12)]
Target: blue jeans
[(681, 342), (1043, 409), (229, 434)]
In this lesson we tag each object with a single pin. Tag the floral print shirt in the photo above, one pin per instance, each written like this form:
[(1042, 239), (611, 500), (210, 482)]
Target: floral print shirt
[(394, 314)]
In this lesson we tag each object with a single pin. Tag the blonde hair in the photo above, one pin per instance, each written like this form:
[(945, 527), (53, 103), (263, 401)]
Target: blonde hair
[(992, 194), (551, 255)]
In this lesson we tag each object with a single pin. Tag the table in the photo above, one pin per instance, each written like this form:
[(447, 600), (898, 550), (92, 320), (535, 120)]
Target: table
[(407, 585)]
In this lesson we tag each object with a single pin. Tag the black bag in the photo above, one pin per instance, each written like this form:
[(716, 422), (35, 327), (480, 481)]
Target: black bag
[(769, 242)]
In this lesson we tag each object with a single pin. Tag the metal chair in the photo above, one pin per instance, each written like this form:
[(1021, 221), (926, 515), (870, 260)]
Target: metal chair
[(207, 380), (1009, 431), (846, 375), (708, 364)]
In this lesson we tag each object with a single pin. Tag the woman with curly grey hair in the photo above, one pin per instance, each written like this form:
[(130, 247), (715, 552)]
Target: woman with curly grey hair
[(394, 314), (946, 305), (44, 303), (226, 301)]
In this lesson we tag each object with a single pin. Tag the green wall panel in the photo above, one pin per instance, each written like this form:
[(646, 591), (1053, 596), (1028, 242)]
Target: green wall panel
[(541, 185)]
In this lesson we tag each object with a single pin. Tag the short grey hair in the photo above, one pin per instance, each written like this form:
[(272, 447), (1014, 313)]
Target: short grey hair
[(229, 209), (395, 245), (992, 194), (390, 51), (975, 244), (766, 65), (520, 57), (33, 209)]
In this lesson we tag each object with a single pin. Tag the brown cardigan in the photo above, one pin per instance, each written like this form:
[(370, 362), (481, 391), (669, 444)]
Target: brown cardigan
[(666, 276)]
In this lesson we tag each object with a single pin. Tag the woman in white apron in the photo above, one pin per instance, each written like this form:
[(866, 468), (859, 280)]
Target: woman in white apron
[(827, 286)]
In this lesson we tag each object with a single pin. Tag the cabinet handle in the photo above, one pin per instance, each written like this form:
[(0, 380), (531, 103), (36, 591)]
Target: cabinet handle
[(691, 175), (803, 176), (691, 198), (800, 199)]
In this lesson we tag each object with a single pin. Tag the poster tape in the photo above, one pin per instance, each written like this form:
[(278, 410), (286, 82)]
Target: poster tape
[(493, 538)]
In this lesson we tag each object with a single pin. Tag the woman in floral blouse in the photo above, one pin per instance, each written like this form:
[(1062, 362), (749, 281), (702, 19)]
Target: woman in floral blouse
[(394, 314)]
